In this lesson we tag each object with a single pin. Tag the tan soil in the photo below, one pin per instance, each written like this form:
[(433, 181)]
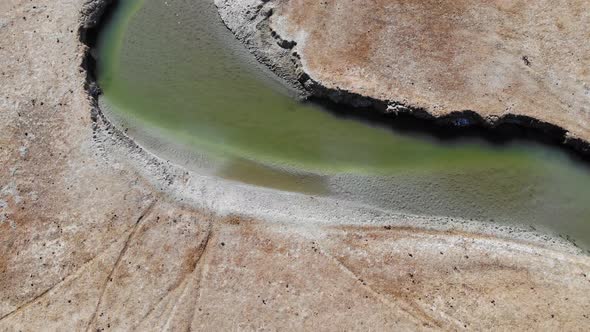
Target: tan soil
[(93, 237)]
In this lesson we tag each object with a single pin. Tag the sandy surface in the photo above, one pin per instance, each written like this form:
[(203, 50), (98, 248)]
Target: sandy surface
[(97, 233)]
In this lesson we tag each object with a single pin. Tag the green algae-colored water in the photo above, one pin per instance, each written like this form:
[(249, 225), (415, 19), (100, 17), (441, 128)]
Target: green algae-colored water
[(171, 67)]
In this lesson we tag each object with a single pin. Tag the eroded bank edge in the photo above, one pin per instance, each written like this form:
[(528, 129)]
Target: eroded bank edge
[(277, 53)]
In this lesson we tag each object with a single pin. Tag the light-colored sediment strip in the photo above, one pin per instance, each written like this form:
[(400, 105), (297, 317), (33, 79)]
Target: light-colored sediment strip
[(97, 233)]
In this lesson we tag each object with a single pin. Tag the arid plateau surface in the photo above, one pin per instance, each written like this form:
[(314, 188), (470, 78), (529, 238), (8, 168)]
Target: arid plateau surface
[(105, 226)]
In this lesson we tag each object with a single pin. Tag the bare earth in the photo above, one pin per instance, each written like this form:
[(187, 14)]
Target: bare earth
[(96, 233)]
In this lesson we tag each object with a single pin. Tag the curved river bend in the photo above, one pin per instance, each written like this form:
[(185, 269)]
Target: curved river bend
[(181, 84)]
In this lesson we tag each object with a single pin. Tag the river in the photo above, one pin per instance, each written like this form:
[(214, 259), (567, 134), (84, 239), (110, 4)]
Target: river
[(179, 83)]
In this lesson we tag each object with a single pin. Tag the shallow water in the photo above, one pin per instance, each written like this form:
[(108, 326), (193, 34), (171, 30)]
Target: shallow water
[(187, 90)]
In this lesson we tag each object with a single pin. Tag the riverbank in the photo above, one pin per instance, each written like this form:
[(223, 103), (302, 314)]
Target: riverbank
[(462, 71), (96, 232)]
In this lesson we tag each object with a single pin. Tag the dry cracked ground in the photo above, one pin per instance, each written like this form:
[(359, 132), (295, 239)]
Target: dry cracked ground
[(92, 239)]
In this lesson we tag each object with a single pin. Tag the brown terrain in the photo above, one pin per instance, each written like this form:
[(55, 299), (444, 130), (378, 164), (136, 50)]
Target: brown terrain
[(497, 58), (93, 235)]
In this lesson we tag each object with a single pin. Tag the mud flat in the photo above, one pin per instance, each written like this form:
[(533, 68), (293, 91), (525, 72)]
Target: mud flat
[(98, 233)]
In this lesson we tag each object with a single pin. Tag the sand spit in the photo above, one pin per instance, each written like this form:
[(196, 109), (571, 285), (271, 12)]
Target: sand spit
[(97, 233)]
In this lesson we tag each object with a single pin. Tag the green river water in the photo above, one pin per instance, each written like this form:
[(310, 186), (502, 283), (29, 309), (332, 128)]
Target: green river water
[(171, 69)]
